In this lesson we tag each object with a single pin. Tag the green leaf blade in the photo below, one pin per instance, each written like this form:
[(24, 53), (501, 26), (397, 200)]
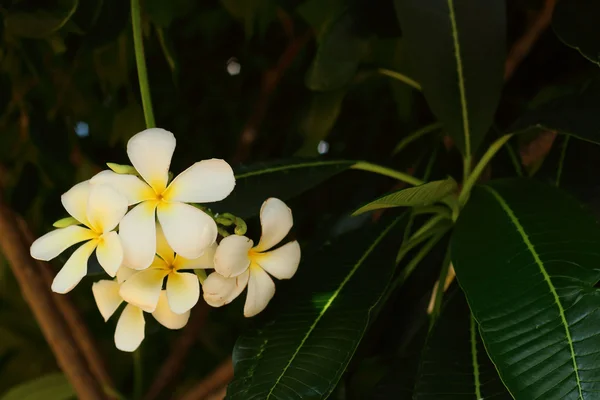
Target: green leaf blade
[(526, 256), (304, 351), (52, 386), (575, 22)]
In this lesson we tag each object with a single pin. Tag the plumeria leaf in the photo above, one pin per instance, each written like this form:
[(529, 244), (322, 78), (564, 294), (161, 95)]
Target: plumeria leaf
[(575, 22), (283, 179), (64, 222), (324, 311), (527, 257), (458, 51), (422, 195), (52, 386)]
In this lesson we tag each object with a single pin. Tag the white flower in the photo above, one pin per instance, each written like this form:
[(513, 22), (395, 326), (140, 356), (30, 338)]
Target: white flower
[(238, 264), (143, 289), (188, 230), (99, 208), (130, 327)]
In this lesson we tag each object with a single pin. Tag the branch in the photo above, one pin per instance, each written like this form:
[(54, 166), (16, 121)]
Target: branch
[(36, 292), (214, 382)]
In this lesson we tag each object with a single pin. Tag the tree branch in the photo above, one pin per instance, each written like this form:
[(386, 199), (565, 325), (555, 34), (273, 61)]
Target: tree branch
[(214, 382)]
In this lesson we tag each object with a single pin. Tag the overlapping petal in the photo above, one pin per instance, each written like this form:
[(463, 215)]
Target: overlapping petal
[(130, 186), (138, 235), (74, 269), (219, 291), (130, 329), (166, 317), (125, 273), (55, 242), (110, 252), (150, 152), (276, 221), (106, 294), (204, 182), (261, 290), (105, 208), (231, 257), (143, 288), (188, 230), (162, 247), (282, 262), (75, 201), (205, 261), (183, 291)]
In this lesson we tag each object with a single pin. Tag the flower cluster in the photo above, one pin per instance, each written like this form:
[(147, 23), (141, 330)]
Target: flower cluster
[(150, 235)]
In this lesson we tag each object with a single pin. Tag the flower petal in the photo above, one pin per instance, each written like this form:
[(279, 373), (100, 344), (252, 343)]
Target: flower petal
[(162, 247), (125, 273), (231, 257), (261, 290), (138, 235), (218, 290), (130, 329), (142, 289), (188, 230), (282, 262), (205, 261), (183, 291), (204, 182), (130, 186), (106, 294), (106, 207), (168, 318), (74, 269), (55, 242), (150, 152), (110, 253), (276, 221), (75, 201)]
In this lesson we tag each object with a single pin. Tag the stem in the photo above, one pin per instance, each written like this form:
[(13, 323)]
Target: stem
[(561, 161), (392, 173), (427, 226), (441, 287), (401, 77), (472, 178), (137, 373), (514, 159), (138, 43), (414, 242), (416, 135)]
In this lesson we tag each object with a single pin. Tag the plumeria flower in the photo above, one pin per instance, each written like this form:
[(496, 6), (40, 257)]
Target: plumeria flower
[(188, 229), (130, 326), (99, 208), (238, 263), (143, 289)]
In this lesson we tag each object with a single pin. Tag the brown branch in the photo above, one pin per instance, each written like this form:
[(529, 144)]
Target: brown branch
[(218, 379), (42, 302), (173, 365)]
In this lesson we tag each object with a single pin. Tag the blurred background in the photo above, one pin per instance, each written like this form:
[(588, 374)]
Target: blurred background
[(248, 81)]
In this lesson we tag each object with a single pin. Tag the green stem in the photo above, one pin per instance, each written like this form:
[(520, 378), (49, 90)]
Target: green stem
[(477, 171), (138, 383), (413, 242), (416, 135), (427, 226), (392, 173), (561, 161), (410, 267), (401, 77), (138, 43), (514, 159), (439, 294)]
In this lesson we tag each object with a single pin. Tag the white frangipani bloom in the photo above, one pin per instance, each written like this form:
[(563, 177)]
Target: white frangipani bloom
[(143, 288), (188, 230), (130, 326), (238, 264), (99, 208)]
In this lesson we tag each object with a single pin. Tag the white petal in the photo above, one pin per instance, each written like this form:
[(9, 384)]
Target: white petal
[(130, 186), (106, 294), (282, 262), (204, 182), (110, 253), (75, 201), (231, 257), (138, 235), (74, 269), (105, 208), (125, 273), (150, 152), (276, 221), (188, 230), (205, 261), (183, 291), (218, 290), (261, 290), (162, 246), (130, 329), (55, 242), (166, 317), (142, 289)]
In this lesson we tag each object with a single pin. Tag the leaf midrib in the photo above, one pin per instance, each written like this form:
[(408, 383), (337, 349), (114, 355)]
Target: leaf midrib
[(331, 300), (476, 377), (511, 215), (293, 166)]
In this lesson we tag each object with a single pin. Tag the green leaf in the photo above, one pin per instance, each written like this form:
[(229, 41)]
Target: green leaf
[(417, 196), (463, 369), (574, 114), (49, 387), (64, 222), (283, 179), (575, 22), (303, 352), (526, 256), (338, 56), (40, 23), (457, 48)]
